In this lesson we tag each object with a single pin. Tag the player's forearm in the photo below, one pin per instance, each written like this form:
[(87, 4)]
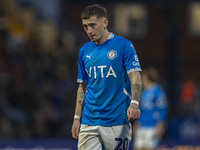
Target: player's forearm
[(136, 85), (80, 98)]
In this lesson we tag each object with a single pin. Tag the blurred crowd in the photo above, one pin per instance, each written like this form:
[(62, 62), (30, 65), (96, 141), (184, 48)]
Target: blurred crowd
[(37, 74)]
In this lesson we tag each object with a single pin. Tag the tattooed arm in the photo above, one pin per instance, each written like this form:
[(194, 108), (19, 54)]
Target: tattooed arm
[(79, 104), (133, 111), (80, 98)]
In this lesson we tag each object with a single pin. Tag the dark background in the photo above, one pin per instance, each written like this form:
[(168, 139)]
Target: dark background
[(39, 45)]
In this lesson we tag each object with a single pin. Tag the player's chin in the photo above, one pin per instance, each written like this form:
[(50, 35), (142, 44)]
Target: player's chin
[(93, 40)]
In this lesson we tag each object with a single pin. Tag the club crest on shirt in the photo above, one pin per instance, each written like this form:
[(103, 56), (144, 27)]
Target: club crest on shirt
[(112, 54)]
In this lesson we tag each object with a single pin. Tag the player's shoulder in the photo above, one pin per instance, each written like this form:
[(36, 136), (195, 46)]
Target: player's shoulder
[(87, 46), (124, 42), (122, 39)]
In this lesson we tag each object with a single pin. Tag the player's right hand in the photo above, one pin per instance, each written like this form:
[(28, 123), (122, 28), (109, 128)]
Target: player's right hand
[(133, 112), (75, 128)]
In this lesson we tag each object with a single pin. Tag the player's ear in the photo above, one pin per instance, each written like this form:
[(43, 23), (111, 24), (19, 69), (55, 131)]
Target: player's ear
[(105, 22)]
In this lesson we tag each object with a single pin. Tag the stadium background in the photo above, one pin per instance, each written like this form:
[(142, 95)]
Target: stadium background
[(39, 45)]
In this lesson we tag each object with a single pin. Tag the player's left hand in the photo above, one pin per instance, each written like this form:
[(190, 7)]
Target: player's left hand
[(133, 112), (75, 128)]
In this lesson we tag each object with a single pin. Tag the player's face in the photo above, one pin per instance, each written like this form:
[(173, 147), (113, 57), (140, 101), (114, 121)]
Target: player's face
[(145, 80), (95, 28)]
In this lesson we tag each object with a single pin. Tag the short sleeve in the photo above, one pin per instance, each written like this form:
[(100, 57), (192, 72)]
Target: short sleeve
[(131, 61), (82, 74)]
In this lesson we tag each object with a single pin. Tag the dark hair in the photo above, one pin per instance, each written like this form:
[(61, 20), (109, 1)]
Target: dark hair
[(94, 10), (152, 74)]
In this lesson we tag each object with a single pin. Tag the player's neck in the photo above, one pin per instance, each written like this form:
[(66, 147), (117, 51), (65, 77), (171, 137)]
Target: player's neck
[(104, 38)]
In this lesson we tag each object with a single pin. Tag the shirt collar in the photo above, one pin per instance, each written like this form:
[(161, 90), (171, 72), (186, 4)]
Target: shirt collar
[(111, 36)]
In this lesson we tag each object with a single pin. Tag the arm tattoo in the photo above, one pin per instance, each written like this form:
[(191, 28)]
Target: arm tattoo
[(80, 99), (81, 93), (136, 91), (136, 85), (81, 102)]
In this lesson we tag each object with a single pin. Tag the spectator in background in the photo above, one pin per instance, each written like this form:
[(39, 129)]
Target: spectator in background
[(36, 74), (187, 98), (149, 129)]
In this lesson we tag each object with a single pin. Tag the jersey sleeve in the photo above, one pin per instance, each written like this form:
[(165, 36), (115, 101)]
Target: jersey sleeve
[(82, 75), (131, 61)]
